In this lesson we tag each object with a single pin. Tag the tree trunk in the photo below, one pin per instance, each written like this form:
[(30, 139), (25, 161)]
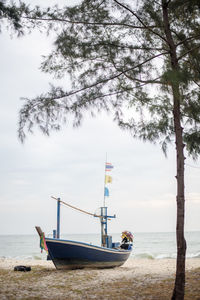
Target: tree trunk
[(179, 287)]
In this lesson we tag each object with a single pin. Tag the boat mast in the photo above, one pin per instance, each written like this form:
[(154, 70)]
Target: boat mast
[(104, 199), (58, 219), (104, 213), (103, 226), (106, 241)]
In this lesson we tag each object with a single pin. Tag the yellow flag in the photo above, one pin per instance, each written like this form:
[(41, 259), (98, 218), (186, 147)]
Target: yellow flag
[(108, 179)]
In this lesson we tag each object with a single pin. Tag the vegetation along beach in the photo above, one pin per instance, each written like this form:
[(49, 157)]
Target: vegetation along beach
[(136, 279)]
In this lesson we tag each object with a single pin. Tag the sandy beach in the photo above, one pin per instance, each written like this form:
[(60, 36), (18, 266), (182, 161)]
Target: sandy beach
[(130, 281)]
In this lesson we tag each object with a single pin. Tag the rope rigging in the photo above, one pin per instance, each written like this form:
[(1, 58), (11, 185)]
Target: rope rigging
[(76, 208)]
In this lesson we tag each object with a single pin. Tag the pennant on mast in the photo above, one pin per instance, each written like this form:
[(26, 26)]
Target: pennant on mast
[(108, 179), (109, 167), (106, 192)]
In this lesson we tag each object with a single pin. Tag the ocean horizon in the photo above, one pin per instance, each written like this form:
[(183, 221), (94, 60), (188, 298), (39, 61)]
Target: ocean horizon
[(150, 245)]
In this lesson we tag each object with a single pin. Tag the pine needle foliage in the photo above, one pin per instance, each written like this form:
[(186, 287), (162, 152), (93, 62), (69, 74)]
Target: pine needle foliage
[(11, 14), (118, 59)]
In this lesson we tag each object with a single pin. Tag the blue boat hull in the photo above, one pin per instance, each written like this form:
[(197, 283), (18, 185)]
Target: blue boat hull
[(67, 254)]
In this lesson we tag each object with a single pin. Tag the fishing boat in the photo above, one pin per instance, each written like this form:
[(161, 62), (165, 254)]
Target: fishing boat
[(67, 254)]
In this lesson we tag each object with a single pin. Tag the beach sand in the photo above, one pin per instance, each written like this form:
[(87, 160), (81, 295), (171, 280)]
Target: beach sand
[(136, 279)]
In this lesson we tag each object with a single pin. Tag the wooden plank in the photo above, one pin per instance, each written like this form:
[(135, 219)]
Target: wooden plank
[(39, 230)]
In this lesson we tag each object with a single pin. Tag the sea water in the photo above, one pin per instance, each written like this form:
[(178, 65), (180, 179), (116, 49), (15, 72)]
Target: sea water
[(145, 245)]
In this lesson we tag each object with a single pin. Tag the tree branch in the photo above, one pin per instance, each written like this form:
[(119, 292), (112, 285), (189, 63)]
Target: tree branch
[(144, 25), (188, 52), (144, 81), (110, 78), (185, 40), (196, 83), (98, 97), (89, 23), (131, 47)]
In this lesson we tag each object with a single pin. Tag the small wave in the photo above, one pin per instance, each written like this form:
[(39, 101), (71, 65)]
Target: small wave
[(164, 255), (36, 257), (193, 255), (154, 255), (143, 255)]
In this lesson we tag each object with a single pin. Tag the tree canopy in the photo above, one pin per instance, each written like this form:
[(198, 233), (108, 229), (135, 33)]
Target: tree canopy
[(12, 14), (119, 59)]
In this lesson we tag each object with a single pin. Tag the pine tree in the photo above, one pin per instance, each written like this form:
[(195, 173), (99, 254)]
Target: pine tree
[(12, 14), (144, 57)]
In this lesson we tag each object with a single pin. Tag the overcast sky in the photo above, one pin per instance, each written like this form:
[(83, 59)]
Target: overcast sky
[(70, 164)]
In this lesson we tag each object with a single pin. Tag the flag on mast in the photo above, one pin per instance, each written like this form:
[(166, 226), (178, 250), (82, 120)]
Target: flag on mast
[(43, 244), (109, 167), (106, 192), (108, 179)]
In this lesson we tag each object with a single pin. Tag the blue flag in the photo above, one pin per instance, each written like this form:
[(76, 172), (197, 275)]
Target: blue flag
[(106, 192)]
